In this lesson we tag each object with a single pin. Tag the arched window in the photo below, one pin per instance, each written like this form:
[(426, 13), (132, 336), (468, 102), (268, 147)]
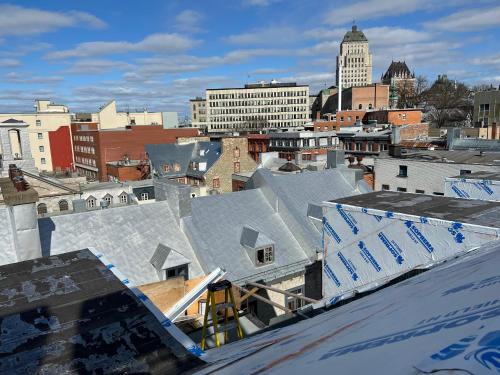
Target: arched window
[(370, 106), (41, 209), (63, 205), (360, 106)]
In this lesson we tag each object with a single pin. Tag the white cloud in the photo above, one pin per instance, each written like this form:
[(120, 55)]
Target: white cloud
[(276, 35), (489, 60), (96, 66), (468, 20), (260, 3), (160, 43), (267, 71), (17, 20), (372, 9), (9, 63), (26, 78), (189, 21)]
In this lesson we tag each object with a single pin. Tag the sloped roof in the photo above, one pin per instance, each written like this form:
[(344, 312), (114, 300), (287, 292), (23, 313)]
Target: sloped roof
[(70, 314), (414, 323), (354, 35), (12, 121), (397, 69), (170, 153), (289, 167), (165, 257), (296, 191), (253, 238), (183, 154), (215, 228), (128, 236)]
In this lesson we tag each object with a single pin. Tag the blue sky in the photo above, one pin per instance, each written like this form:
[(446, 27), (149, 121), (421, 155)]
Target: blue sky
[(158, 53)]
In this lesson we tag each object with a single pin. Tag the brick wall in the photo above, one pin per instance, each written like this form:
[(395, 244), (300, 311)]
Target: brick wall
[(224, 167), (395, 116), (414, 130), (113, 145)]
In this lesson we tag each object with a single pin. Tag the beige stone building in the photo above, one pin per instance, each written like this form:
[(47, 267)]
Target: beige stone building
[(109, 118), (47, 117), (198, 108), (355, 59), (257, 106)]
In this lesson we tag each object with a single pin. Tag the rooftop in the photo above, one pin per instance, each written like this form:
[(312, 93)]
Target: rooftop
[(413, 323), (128, 236), (70, 314), (482, 175), (444, 156), (452, 209), (354, 35)]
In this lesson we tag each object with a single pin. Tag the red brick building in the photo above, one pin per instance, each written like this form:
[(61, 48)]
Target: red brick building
[(61, 151), (93, 149), (257, 143), (395, 116)]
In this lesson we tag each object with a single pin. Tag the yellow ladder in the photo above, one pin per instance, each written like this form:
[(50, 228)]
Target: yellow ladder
[(224, 285)]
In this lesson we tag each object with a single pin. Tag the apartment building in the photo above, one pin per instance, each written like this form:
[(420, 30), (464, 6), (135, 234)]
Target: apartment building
[(305, 143), (354, 59), (257, 106), (48, 133)]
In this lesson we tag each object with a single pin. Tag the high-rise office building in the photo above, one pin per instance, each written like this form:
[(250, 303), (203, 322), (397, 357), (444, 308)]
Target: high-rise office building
[(355, 60)]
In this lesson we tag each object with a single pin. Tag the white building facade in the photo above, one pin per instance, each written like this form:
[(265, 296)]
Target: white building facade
[(355, 60), (257, 106), (421, 176)]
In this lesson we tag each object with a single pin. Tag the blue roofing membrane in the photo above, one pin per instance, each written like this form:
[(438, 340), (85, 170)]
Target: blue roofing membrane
[(445, 318)]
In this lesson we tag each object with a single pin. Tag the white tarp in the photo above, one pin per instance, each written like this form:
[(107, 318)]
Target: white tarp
[(483, 189), (365, 248), (447, 318)]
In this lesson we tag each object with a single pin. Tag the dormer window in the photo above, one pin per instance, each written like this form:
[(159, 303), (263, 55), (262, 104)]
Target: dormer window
[(90, 202), (177, 167), (166, 168), (123, 198), (264, 255)]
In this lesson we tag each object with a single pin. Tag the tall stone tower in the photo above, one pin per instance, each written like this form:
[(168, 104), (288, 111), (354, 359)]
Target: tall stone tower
[(354, 59)]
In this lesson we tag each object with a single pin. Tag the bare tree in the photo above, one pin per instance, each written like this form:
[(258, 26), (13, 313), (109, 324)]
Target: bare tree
[(447, 102)]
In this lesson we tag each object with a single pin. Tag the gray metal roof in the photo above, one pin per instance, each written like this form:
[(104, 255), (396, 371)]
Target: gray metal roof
[(69, 314), (128, 236), (296, 191), (215, 228), (443, 156), (476, 144), (170, 153), (469, 211), (183, 155)]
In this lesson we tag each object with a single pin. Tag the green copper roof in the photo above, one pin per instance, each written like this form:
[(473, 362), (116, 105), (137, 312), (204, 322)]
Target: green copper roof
[(354, 35)]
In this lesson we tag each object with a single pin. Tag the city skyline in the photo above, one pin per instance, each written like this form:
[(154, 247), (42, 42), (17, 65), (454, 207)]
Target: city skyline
[(160, 55)]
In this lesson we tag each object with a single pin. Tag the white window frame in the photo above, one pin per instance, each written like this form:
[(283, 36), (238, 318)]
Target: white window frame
[(90, 202), (268, 255), (144, 196), (123, 198)]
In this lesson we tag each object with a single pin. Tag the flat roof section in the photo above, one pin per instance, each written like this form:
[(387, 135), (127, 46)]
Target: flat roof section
[(70, 314), (481, 175), (477, 212)]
